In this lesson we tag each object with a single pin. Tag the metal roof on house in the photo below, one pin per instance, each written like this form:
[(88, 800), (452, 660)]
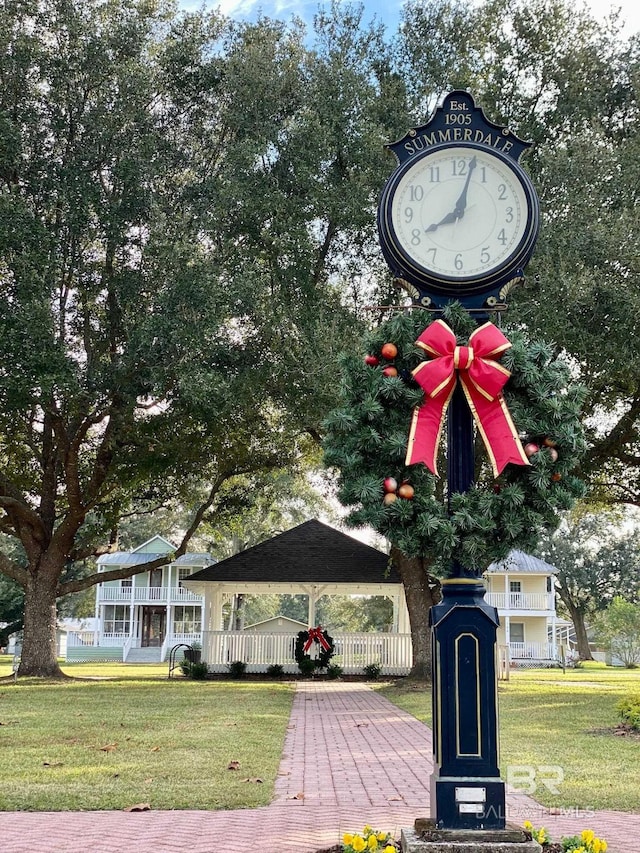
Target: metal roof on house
[(129, 558), (518, 561), (312, 552)]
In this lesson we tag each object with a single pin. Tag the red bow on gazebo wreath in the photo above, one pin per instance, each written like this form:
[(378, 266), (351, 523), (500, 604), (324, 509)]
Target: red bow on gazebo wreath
[(306, 641), (316, 635)]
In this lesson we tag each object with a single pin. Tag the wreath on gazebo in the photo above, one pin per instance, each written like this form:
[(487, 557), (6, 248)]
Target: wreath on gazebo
[(316, 640)]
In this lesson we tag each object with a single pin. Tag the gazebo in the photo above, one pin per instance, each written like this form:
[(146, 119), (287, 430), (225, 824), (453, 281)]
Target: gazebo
[(312, 559)]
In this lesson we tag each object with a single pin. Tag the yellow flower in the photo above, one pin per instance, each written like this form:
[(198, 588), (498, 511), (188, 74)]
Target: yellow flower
[(372, 842), (541, 835), (389, 849), (359, 843), (366, 830), (347, 838), (528, 825), (382, 836), (587, 835)]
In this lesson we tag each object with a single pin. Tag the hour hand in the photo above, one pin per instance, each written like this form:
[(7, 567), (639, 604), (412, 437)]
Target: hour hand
[(448, 219)]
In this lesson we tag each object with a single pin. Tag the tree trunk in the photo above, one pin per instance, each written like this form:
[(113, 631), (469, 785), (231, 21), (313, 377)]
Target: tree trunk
[(582, 641), (39, 649), (421, 595)]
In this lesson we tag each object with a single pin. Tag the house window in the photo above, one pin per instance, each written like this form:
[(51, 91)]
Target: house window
[(187, 620), (549, 584), (515, 586), (516, 632), (126, 583), (116, 619), (184, 572)]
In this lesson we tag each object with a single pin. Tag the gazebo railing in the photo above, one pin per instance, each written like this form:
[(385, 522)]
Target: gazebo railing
[(352, 651)]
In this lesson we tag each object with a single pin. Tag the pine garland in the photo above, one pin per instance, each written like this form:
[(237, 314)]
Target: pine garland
[(366, 441)]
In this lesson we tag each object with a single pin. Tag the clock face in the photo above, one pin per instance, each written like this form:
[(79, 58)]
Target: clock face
[(459, 213)]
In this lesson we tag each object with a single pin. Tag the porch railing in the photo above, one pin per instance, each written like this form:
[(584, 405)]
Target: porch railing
[(532, 651), (151, 594), (521, 600), (352, 651)]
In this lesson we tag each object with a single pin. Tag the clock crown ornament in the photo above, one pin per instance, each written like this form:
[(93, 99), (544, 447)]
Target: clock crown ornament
[(459, 217)]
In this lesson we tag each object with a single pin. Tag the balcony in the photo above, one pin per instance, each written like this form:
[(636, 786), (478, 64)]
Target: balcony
[(521, 600), (147, 595)]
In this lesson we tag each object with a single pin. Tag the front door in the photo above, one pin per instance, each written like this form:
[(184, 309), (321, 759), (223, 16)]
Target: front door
[(154, 625)]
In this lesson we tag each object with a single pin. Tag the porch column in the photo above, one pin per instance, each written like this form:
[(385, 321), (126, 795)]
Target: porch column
[(313, 599), (507, 599), (554, 639), (404, 626), (507, 630)]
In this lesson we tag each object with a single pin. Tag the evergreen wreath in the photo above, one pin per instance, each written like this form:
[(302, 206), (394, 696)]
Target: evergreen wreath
[(324, 655), (366, 441)]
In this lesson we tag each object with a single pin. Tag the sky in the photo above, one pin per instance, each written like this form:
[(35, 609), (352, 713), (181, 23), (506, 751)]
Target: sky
[(386, 11)]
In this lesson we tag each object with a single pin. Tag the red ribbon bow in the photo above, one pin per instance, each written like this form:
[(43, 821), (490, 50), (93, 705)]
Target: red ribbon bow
[(316, 635), (482, 379)]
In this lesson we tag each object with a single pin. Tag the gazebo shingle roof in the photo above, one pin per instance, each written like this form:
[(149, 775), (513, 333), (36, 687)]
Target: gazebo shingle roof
[(312, 552)]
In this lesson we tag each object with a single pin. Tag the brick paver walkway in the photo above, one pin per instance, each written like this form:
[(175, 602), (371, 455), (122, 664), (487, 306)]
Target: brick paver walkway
[(350, 758)]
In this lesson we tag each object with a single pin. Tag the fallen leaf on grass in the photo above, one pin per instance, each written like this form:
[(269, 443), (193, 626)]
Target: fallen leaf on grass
[(110, 747), (52, 764), (139, 807), (252, 780), (155, 749), (233, 765), (148, 781), (9, 723)]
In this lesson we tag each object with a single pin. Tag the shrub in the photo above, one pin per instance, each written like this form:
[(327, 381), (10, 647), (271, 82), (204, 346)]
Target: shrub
[(275, 670), (237, 668), (629, 708), (372, 671), (307, 666), (334, 671), (199, 671)]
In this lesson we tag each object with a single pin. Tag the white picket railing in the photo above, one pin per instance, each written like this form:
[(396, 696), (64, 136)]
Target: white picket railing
[(531, 651), (352, 651), (150, 594), (521, 600)]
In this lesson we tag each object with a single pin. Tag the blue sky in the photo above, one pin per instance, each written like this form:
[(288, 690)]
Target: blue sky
[(386, 11)]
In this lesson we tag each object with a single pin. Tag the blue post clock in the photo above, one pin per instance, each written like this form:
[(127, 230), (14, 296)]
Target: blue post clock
[(459, 217)]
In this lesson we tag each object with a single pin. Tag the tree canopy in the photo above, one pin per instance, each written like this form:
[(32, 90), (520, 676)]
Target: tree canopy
[(187, 241)]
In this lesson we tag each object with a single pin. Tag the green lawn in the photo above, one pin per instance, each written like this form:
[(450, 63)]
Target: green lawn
[(112, 742), (547, 718), (126, 734)]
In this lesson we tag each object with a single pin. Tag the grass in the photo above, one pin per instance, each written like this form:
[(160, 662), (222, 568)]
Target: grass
[(169, 743), (547, 718), (132, 737)]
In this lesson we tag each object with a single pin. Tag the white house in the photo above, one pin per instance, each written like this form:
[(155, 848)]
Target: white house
[(141, 618), (522, 589)]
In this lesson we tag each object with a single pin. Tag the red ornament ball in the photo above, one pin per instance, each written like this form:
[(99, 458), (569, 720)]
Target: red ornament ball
[(389, 498), (556, 476), (372, 360), (406, 491), (389, 351), (390, 484), (389, 371), (531, 448)]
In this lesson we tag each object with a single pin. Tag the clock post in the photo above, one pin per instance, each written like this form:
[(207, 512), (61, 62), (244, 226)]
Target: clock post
[(458, 220)]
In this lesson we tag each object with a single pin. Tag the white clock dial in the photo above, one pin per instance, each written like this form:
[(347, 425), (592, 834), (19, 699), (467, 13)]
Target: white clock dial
[(459, 212)]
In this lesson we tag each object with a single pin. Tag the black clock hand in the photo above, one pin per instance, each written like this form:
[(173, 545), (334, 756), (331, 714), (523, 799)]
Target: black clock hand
[(448, 219), (462, 201), (461, 204)]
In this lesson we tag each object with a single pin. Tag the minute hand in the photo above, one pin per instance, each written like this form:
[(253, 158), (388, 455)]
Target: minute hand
[(462, 201)]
